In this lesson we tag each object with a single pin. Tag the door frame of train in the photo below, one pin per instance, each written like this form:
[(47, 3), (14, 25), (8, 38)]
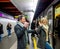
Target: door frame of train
[(58, 2)]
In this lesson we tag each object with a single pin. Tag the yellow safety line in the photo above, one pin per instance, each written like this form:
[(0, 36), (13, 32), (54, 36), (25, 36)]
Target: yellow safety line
[(35, 43), (27, 46)]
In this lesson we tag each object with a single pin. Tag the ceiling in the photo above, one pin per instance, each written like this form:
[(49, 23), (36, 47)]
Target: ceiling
[(24, 5), (27, 7), (31, 6), (7, 7)]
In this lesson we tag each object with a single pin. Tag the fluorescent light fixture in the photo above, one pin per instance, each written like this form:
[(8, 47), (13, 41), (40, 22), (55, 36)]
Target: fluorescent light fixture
[(34, 8), (6, 20)]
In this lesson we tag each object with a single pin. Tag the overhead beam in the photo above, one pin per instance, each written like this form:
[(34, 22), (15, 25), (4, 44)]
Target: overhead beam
[(4, 0), (17, 13), (14, 11), (6, 4), (9, 7)]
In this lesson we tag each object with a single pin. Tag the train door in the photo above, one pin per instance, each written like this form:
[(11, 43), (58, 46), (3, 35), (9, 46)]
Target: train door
[(56, 39)]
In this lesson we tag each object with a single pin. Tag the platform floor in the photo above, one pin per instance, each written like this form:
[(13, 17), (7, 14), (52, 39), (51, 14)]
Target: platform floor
[(11, 42)]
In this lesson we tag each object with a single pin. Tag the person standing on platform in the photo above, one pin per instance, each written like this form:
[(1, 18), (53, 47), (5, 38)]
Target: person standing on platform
[(41, 36), (9, 27), (1, 31), (46, 27), (20, 29), (33, 26)]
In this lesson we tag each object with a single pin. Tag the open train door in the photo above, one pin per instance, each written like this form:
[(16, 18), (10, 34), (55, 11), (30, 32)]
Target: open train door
[(56, 26)]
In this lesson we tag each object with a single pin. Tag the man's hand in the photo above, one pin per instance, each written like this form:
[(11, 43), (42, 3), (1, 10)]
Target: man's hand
[(26, 24), (36, 29)]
